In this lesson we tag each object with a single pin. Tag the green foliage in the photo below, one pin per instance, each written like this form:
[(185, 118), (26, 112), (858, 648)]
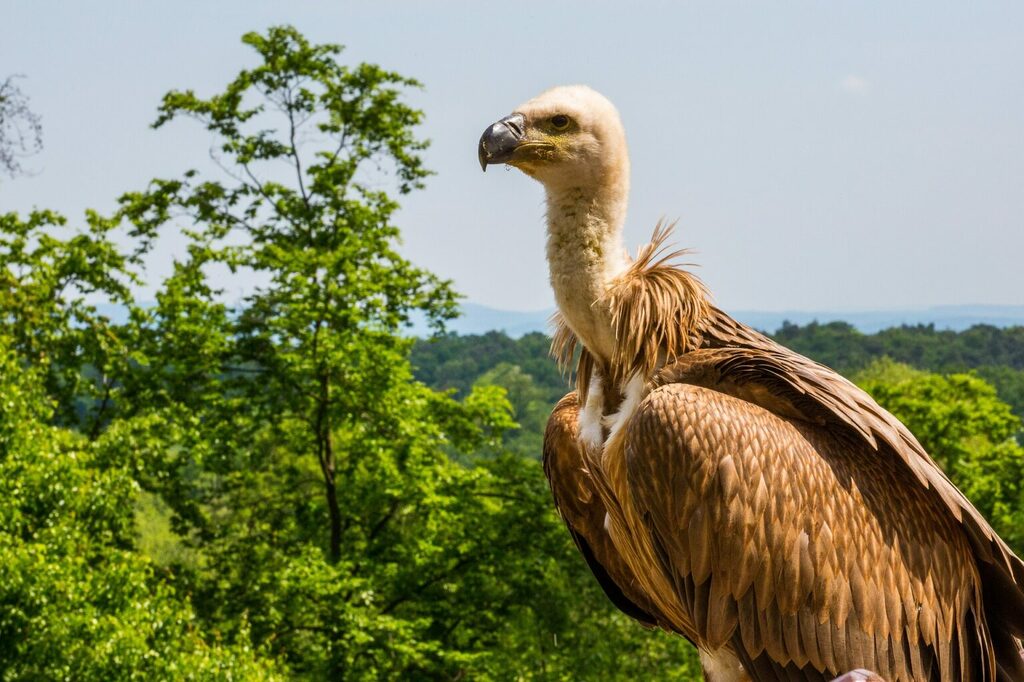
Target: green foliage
[(836, 344), (75, 601), (531, 406), (316, 349), (458, 361), (261, 488), (944, 412), (1009, 384), (47, 275), (522, 367)]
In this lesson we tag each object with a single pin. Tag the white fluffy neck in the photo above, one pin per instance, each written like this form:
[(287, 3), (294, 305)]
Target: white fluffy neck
[(586, 253)]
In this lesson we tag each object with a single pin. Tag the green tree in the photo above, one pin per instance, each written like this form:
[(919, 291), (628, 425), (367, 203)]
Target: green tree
[(531, 406), (319, 342), (50, 276), (457, 362), (1009, 384), (342, 516), (836, 344), (76, 602)]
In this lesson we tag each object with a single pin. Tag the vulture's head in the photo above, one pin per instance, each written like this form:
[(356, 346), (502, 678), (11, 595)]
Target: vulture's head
[(566, 136)]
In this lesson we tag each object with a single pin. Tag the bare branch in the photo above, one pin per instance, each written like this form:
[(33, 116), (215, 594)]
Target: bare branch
[(292, 128), (21, 129)]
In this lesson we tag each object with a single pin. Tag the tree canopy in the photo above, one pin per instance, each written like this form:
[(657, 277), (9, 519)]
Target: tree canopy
[(259, 488)]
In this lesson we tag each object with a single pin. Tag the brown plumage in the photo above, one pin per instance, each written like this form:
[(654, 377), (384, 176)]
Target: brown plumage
[(728, 489)]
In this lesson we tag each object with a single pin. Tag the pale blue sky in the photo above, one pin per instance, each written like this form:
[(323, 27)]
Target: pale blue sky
[(818, 155)]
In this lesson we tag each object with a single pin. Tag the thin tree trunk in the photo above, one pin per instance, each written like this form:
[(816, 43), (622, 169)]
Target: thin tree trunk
[(332, 503), (325, 454)]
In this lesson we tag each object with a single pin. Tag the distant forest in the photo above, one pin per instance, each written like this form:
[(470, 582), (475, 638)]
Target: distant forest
[(534, 383)]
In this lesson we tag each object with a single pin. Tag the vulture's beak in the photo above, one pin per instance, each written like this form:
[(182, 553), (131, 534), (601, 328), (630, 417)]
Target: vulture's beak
[(500, 140)]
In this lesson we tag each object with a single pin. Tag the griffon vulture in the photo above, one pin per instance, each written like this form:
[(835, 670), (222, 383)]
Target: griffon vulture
[(725, 488)]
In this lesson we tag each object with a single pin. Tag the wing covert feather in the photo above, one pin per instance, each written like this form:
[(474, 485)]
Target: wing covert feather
[(750, 358), (762, 553)]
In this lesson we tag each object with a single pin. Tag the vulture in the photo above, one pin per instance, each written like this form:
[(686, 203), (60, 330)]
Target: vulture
[(725, 488)]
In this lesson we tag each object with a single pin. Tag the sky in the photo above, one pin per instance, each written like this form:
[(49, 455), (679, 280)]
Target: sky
[(818, 155)]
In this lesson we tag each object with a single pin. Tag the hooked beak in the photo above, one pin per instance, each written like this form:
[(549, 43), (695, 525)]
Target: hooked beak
[(500, 141)]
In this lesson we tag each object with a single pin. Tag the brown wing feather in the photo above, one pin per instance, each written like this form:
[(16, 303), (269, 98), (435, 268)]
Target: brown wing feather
[(786, 544), (750, 358)]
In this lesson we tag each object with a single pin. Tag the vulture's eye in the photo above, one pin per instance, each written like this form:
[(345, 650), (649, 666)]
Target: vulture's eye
[(560, 122)]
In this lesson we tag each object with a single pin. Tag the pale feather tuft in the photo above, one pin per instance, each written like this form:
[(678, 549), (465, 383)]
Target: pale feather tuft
[(656, 309)]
